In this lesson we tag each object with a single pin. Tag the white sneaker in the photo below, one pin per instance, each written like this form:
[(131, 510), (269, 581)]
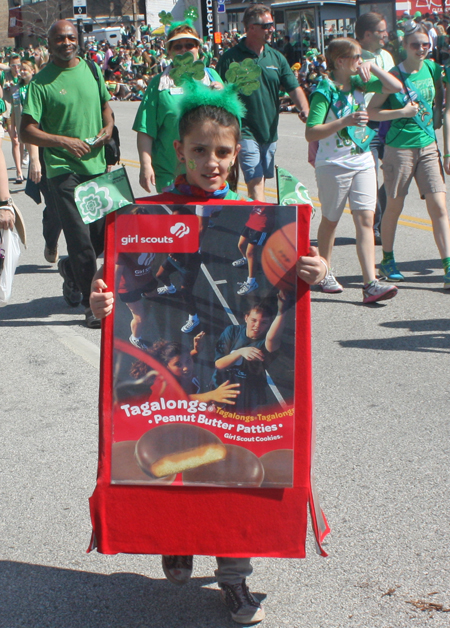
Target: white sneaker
[(377, 291), (167, 289), (247, 287), (330, 284), (138, 342), (190, 325), (25, 160), (242, 261)]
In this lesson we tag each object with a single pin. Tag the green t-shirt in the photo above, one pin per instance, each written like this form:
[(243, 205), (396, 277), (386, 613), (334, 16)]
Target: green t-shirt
[(338, 148), (261, 120), (158, 116), (404, 132), (320, 105), (66, 101)]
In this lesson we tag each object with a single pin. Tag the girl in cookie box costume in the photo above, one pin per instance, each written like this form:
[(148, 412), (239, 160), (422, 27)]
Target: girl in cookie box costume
[(209, 145)]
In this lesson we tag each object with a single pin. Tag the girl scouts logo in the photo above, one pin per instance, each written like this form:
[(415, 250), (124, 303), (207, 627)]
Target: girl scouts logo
[(103, 195), (92, 201), (180, 229)]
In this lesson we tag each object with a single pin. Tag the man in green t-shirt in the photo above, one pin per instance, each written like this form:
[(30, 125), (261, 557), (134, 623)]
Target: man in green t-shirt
[(67, 112), (259, 126)]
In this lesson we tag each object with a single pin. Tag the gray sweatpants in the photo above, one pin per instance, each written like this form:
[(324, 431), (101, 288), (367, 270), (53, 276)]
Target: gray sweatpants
[(232, 570)]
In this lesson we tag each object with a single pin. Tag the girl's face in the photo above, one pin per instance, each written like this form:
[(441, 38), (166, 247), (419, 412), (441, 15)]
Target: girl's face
[(181, 367), (209, 151), (180, 46), (26, 73), (351, 62), (417, 46)]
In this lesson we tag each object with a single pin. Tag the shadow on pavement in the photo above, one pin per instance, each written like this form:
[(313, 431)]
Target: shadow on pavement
[(50, 597), (31, 269), (17, 314), (423, 343), (432, 324)]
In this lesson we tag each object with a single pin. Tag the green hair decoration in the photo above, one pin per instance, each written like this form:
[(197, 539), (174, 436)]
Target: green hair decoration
[(184, 68), (242, 78), (165, 18), (198, 95), (190, 15)]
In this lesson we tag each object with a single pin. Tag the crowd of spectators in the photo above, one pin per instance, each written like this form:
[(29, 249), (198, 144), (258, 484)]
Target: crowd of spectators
[(129, 67)]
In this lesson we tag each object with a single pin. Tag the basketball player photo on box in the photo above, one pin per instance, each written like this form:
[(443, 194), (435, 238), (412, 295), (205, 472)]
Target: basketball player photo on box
[(203, 359)]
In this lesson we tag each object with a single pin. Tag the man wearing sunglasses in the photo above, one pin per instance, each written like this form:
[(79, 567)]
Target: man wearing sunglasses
[(259, 127), (371, 33)]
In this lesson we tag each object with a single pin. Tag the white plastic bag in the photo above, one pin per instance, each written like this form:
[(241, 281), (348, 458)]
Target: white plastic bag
[(10, 249)]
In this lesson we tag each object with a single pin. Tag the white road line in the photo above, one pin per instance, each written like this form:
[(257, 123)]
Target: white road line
[(220, 281), (78, 344), (275, 391), (219, 295)]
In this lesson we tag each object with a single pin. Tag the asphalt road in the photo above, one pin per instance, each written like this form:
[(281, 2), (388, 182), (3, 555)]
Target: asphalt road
[(382, 453)]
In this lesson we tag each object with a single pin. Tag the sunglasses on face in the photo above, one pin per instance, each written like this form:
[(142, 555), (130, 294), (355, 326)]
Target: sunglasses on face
[(265, 26), (354, 57), (417, 45), (189, 46)]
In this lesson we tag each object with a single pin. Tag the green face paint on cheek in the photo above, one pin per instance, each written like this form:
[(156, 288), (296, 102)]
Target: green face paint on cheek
[(191, 164)]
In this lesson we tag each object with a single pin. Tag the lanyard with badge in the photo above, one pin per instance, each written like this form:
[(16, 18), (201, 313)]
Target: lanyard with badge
[(341, 107)]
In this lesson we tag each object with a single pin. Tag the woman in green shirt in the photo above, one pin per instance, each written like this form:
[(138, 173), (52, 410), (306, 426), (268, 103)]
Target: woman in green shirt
[(156, 122), (411, 149)]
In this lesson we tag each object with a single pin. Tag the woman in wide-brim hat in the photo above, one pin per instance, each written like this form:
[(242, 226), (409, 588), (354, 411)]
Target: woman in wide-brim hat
[(156, 122)]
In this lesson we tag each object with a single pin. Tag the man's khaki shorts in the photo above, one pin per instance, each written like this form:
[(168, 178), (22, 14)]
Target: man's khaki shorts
[(400, 165)]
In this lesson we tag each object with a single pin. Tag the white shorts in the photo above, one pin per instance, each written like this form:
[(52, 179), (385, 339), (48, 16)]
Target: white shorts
[(336, 185)]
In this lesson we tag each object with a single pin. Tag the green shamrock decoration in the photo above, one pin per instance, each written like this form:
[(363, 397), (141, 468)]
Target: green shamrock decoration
[(245, 76), (165, 18), (93, 201), (191, 13), (185, 67)]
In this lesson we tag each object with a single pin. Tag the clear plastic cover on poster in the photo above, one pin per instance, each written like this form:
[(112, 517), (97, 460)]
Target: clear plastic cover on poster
[(203, 367)]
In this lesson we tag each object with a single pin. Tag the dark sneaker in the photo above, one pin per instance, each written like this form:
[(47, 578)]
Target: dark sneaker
[(377, 238), (177, 569), (72, 296), (244, 608), (90, 320), (51, 255), (376, 291)]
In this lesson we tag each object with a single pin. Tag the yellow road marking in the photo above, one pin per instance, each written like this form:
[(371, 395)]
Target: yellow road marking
[(407, 221)]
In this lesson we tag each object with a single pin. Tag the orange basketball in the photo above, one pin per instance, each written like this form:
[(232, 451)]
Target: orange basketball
[(279, 256)]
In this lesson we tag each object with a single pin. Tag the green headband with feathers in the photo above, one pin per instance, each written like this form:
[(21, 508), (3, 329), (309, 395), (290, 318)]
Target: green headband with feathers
[(198, 95)]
